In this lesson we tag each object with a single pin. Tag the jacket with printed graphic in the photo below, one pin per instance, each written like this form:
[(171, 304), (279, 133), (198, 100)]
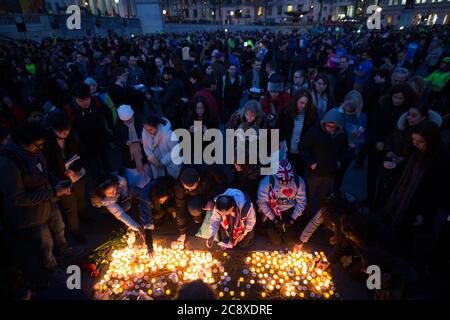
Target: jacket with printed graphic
[(292, 195)]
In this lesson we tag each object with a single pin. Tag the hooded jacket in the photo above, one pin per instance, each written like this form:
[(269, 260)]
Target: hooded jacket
[(354, 125), (244, 213), (325, 149), (399, 141)]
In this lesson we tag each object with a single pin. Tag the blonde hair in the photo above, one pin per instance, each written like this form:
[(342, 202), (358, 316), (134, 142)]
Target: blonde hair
[(354, 98)]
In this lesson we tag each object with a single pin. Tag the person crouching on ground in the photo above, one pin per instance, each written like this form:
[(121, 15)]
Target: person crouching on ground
[(112, 192), (281, 200), (234, 219)]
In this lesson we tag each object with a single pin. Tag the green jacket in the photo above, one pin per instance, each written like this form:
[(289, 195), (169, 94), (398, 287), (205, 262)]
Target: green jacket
[(438, 80)]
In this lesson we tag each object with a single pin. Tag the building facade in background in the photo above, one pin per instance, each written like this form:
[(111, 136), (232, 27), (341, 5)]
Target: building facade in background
[(247, 11), (109, 8), (36, 19), (230, 12), (406, 12)]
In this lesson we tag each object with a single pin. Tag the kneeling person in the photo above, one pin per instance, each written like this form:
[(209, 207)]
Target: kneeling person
[(281, 200), (234, 219)]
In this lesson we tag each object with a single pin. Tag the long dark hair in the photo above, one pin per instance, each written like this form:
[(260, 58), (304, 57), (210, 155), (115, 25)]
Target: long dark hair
[(291, 108), (324, 78), (166, 187), (100, 186), (193, 105), (430, 132), (405, 89), (154, 121)]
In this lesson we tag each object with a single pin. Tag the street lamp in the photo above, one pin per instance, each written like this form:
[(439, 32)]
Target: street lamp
[(164, 12), (231, 13), (379, 9), (116, 1)]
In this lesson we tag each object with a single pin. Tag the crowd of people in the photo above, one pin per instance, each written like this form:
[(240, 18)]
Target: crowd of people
[(88, 124)]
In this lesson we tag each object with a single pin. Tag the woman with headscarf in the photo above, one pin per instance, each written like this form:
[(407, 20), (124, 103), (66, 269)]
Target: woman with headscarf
[(128, 136), (158, 145)]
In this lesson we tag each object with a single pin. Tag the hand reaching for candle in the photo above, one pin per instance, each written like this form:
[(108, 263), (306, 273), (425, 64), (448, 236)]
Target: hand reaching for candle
[(238, 239), (298, 246)]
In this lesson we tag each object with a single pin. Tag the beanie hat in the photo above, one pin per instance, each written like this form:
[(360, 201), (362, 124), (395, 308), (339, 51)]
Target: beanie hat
[(275, 83), (90, 82), (125, 112)]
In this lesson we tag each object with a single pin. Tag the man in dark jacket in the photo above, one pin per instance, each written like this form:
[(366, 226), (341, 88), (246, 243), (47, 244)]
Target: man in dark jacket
[(91, 126), (30, 216), (231, 90), (194, 193), (323, 149), (299, 62), (136, 74), (61, 149), (344, 80), (255, 78)]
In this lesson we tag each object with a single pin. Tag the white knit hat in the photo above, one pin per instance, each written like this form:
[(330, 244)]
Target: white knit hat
[(125, 112)]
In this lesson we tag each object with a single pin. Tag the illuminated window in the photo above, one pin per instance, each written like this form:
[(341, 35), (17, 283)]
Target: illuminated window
[(403, 2), (395, 2), (350, 11), (260, 11), (445, 19), (424, 1), (289, 8), (417, 1), (391, 2)]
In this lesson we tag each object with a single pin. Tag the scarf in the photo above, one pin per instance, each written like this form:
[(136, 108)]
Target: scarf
[(232, 225), (31, 161), (273, 204), (135, 148)]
